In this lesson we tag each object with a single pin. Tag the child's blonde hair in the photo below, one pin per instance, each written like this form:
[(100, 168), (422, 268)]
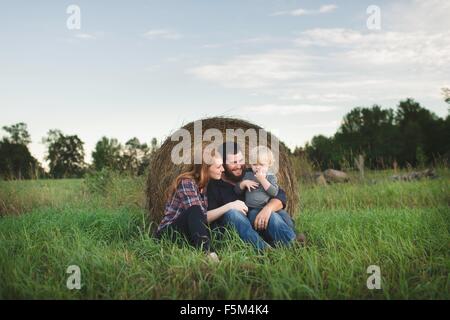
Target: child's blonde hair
[(261, 155)]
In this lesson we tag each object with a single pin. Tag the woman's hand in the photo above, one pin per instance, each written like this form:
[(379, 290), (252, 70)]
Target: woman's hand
[(238, 205), (262, 219), (213, 215), (249, 185)]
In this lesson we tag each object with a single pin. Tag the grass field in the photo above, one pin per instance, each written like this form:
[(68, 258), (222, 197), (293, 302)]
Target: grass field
[(48, 225)]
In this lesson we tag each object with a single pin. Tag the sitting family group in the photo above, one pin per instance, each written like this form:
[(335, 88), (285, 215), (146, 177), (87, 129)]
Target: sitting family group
[(223, 193)]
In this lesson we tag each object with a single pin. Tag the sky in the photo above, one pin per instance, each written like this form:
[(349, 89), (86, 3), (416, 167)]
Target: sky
[(145, 68)]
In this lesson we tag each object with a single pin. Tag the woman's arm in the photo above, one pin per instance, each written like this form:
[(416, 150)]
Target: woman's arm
[(213, 215)]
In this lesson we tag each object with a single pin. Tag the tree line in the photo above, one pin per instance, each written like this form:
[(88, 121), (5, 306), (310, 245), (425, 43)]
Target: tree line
[(65, 155), (409, 136)]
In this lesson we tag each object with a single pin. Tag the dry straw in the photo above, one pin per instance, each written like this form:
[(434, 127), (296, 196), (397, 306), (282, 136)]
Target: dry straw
[(162, 171)]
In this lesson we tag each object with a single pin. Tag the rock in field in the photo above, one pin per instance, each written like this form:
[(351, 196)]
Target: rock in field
[(320, 180), (416, 175), (332, 175)]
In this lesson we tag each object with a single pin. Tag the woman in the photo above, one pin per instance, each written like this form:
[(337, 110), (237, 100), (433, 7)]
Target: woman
[(186, 207)]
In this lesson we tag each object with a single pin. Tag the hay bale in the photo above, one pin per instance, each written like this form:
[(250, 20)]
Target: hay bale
[(162, 171)]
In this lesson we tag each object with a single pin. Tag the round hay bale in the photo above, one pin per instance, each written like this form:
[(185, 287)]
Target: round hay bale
[(162, 171)]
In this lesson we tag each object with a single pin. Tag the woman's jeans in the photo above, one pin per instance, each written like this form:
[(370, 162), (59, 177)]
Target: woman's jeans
[(280, 229)]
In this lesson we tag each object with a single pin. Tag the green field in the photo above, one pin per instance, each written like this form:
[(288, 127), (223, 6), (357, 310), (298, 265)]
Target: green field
[(101, 226)]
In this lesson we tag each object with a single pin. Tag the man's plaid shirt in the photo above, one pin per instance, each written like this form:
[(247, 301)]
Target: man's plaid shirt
[(186, 196)]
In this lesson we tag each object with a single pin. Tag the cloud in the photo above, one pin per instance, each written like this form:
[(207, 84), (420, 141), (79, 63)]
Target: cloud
[(274, 109), (331, 124), (328, 97), (423, 15), (162, 34), (327, 8), (152, 68), (416, 49), (345, 60), (85, 36), (252, 41), (212, 45), (255, 71), (342, 66), (304, 12), (328, 37)]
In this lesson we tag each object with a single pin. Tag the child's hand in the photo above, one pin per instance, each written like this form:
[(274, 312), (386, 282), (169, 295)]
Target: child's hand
[(261, 174), (249, 185)]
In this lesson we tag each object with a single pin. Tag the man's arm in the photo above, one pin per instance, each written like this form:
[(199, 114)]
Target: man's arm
[(237, 189), (275, 204), (281, 196), (262, 219)]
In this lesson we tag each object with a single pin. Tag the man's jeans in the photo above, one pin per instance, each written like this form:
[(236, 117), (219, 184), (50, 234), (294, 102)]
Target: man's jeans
[(279, 230)]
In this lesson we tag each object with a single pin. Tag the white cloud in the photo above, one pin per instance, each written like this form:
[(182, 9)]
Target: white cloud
[(212, 45), (327, 8), (304, 12), (325, 97), (254, 71), (348, 67), (342, 63), (162, 34), (152, 68), (274, 109), (328, 37), (417, 15), (265, 39), (419, 48), (331, 124), (258, 40), (85, 36)]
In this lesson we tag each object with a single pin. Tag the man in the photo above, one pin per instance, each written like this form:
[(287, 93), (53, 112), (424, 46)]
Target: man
[(272, 226)]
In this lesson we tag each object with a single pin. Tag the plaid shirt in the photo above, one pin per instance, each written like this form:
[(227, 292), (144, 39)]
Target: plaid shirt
[(186, 196)]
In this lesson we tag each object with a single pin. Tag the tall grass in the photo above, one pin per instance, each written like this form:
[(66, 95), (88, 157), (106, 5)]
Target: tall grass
[(106, 189), (403, 227)]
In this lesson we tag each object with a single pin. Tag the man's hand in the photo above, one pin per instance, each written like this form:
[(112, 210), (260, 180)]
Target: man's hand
[(262, 219), (249, 185)]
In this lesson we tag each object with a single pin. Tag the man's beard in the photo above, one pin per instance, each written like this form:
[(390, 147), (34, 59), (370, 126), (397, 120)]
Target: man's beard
[(230, 176)]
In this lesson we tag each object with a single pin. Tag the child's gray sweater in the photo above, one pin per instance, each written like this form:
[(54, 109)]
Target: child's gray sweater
[(258, 198)]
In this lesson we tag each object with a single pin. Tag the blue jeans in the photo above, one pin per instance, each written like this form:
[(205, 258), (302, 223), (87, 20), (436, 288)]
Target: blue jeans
[(280, 229), (241, 224)]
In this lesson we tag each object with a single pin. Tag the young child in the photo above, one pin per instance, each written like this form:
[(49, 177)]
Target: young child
[(261, 184)]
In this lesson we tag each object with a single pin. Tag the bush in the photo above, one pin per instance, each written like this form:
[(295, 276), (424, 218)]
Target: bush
[(97, 181), (115, 189)]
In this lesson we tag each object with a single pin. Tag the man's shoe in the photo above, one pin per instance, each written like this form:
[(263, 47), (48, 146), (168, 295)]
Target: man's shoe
[(301, 239)]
